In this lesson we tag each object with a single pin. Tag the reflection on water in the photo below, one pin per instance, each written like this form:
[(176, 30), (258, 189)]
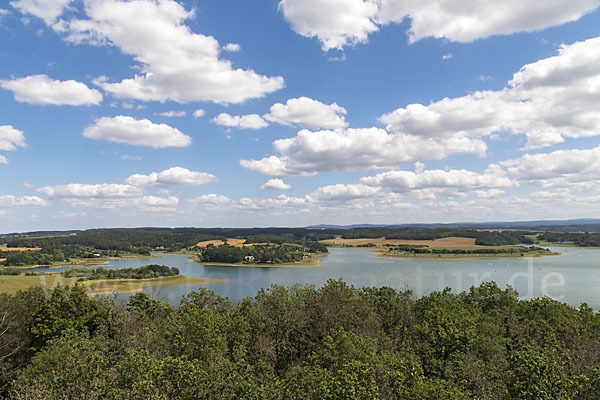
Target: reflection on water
[(572, 278)]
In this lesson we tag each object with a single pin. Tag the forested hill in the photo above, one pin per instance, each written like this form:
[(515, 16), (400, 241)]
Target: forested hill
[(61, 246), (335, 342), (175, 238), (178, 238)]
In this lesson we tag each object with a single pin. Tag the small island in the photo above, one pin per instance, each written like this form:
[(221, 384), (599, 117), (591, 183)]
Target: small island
[(262, 254)]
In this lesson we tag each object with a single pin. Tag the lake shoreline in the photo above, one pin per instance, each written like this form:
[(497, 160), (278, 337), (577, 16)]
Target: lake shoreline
[(442, 257), (83, 262), (311, 263), (138, 285), (13, 283), (361, 267)]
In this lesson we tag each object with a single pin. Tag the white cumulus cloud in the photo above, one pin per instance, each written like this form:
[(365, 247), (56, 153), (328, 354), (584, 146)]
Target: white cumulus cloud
[(232, 47), (335, 23), (341, 192), (174, 62), (98, 191), (48, 10), (176, 176), (281, 201), (172, 114), (340, 23), (250, 121), (11, 138), (461, 180), (210, 200), (154, 201), (40, 89), (108, 197), (561, 168), (489, 193), (275, 184), (311, 152), (199, 113), (387, 186), (308, 113), (124, 129), (14, 201), (468, 21), (3, 160), (547, 100)]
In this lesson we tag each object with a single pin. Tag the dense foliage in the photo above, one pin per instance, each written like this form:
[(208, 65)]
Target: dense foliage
[(579, 239), (260, 254), (29, 257), (336, 342), (522, 250), (130, 240), (145, 272)]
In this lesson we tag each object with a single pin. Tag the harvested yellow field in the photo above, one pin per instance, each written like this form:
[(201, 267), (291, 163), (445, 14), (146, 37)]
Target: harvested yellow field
[(449, 242), (236, 242), (231, 242), (4, 248), (208, 242)]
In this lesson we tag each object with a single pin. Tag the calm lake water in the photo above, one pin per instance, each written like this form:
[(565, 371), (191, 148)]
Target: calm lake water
[(572, 278)]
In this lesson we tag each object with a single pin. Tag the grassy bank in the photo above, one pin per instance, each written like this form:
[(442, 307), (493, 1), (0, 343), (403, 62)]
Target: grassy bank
[(136, 285), (441, 249), (12, 284), (456, 256), (565, 245)]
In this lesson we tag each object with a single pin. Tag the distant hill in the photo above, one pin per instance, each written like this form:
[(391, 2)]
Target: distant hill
[(570, 225)]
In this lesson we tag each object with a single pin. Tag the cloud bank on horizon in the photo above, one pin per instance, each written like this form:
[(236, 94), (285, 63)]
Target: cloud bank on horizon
[(165, 112)]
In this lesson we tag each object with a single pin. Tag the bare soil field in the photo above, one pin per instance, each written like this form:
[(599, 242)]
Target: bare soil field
[(445, 243)]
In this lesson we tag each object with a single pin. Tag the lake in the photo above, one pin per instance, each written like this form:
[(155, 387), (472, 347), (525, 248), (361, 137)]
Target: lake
[(572, 278)]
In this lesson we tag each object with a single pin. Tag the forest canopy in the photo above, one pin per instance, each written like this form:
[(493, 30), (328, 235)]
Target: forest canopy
[(334, 342)]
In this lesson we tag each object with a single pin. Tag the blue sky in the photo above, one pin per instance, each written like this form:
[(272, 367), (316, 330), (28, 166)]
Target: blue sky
[(296, 112)]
